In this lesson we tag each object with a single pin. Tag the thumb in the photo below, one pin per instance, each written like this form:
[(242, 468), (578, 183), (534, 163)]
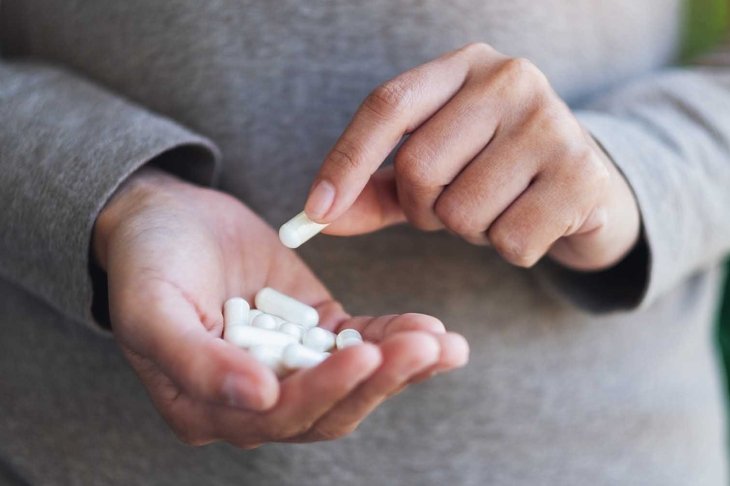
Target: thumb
[(376, 207), (169, 333)]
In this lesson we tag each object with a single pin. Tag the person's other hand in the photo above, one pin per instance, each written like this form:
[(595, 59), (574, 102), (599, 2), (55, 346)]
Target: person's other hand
[(493, 154), (173, 253)]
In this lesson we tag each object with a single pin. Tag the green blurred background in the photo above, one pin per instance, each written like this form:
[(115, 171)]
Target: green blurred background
[(707, 22)]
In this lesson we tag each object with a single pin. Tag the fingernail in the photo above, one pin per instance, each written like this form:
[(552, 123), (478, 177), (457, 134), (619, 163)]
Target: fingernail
[(238, 391), (320, 200)]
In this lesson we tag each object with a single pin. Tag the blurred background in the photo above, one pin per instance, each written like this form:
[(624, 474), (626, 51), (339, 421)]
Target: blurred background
[(708, 24)]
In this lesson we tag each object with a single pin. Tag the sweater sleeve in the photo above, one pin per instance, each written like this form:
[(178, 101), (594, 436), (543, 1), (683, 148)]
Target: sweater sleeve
[(65, 146), (669, 134)]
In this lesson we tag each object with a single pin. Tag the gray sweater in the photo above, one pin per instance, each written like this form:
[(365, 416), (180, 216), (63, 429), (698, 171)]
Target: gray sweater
[(605, 379)]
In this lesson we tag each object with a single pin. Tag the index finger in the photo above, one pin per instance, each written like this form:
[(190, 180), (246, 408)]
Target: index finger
[(391, 111)]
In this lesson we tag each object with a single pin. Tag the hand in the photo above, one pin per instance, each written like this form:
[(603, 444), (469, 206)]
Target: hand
[(173, 254), (493, 155)]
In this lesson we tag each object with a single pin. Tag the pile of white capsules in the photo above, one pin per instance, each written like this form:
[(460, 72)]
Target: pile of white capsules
[(281, 332)]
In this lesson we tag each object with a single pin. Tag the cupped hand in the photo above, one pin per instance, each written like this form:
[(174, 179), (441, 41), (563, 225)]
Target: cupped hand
[(493, 154), (173, 253)]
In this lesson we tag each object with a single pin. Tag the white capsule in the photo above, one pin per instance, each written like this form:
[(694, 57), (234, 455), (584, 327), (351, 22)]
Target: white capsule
[(252, 315), (296, 356), (319, 339), (235, 313), (249, 336), (298, 230), (293, 329), (265, 321), (288, 308), (269, 356), (348, 337)]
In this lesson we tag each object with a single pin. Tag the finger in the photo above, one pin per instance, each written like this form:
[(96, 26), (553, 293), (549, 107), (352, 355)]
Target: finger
[(331, 314), (552, 207), (404, 355), (375, 329), (454, 353), (435, 154), (376, 207), (170, 333), (391, 111), (487, 187), (305, 396), (308, 394)]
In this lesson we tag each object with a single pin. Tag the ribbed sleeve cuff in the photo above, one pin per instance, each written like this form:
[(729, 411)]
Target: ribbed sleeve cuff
[(66, 145), (649, 269)]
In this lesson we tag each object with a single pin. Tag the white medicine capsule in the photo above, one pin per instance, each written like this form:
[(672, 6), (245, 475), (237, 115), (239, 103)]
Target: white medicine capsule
[(319, 339), (269, 356), (252, 315), (297, 356), (235, 312), (249, 336), (288, 308), (293, 329), (265, 321), (298, 230), (348, 337)]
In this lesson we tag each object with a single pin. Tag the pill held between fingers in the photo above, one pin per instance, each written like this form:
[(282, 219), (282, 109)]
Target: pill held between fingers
[(288, 308), (265, 321), (297, 356), (249, 336), (235, 312), (298, 230), (293, 329), (348, 337), (319, 339)]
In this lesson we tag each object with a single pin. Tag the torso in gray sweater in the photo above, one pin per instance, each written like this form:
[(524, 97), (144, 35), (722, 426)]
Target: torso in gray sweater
[(553, 395)]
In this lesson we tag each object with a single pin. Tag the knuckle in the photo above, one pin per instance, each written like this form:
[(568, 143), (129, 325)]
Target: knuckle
[(585, 169), (450, 211), (481, 49), (595, 171), (513, 248), (523, 68), (522, 75), (580, 154), (344, 156), (413, 165), (390, 98)]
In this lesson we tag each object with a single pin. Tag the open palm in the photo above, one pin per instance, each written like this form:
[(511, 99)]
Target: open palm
[(174, 253)]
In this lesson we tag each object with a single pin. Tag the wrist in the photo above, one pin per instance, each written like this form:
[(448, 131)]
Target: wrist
[(134, 193)]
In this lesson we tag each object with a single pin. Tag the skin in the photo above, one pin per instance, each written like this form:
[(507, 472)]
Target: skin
[(492, 155), (173, 253)]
